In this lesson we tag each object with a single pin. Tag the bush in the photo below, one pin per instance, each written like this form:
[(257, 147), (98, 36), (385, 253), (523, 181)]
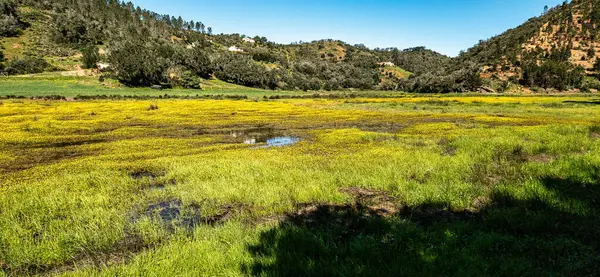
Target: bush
[(242, 70), (198, 61), (9, 26), (552, 74), (9, 22), (28, 65), (72, 28), (189, 80), (590, 83), (90, 56), (138, 61)]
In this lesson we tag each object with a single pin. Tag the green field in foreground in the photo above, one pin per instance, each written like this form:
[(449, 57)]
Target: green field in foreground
[(49, 84), (454, 186)]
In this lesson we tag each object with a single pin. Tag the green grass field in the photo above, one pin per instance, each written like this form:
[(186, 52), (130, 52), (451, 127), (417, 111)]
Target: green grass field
[(406, 186), (47, 84)]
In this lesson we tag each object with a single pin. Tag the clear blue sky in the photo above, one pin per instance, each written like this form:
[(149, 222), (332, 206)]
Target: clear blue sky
[(446, 26)]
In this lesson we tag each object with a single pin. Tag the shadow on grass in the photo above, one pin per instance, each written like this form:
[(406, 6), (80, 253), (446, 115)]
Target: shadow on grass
[(591, 102), (507, 237)]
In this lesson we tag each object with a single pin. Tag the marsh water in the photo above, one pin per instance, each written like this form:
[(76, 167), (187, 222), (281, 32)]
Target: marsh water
[(264, 137)]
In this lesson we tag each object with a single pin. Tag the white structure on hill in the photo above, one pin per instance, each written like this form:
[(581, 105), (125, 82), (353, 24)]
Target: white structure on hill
[(235, 49), (248, 40), (387, 64)]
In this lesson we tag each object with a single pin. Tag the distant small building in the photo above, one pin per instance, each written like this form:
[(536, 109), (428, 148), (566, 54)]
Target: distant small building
[(103, 66), (386, 64), (190, 46), (235, 49), (248, 40)]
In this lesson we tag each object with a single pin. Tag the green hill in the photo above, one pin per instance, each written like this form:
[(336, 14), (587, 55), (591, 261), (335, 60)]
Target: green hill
[(138, 47), (554, 50), (143, 48)]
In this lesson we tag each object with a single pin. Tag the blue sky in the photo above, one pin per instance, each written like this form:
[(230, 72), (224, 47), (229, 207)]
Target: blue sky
[(446, 26)]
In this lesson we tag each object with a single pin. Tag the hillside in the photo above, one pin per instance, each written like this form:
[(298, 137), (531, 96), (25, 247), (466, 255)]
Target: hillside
[(142, 48), (557, 50), (563, 43)]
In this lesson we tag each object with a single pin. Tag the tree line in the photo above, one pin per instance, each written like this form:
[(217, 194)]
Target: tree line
[(145, 48)]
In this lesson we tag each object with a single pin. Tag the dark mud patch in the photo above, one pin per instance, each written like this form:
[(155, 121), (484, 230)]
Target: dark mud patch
[(448, 149), (121, 252), (384, 127), (174, 213), (594, 132), (30, 158), (372, 205), (62, 144), (146, 174), (589, 102), (347, 220), (375, 201), (438, 213), (152, 179)]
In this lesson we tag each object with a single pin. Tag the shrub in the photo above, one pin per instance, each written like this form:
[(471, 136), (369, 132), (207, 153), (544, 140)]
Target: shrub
[(90, 56), (552, 74), (9, 22), (9, 26), (28, 65), (140, 62), (189, 80)]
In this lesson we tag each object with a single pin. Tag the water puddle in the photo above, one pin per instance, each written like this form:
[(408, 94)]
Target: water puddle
[(282, 141), (264, 137), (272, 142)]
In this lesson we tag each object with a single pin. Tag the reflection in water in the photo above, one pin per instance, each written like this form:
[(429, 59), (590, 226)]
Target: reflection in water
[(274, 142), (282, 141), (266, 137)]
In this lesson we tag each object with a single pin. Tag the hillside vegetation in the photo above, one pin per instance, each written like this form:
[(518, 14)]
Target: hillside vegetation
[(557, 50)]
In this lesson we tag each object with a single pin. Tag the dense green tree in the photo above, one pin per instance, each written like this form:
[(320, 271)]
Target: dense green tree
[(141, 60), (591, 53), (198, 61), (420, 60), (552, 74), (90, 56), (597, 67), (9, 18)]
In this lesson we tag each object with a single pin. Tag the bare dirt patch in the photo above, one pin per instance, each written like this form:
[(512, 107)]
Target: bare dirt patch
[(377, 202), (541, 158)]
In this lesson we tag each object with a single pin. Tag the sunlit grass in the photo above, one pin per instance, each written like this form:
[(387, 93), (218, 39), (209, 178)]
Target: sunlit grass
[(70, 201)]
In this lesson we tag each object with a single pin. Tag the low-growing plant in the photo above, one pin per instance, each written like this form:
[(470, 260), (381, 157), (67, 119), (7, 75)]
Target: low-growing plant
[(27, 65)]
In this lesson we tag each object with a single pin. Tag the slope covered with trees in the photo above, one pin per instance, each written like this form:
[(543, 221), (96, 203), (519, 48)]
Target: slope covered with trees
[(555, 50), (142, 48)]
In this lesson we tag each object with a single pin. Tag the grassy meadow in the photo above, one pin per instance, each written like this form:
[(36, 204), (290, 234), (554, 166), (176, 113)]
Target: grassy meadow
[(406, 186), (56, 83)]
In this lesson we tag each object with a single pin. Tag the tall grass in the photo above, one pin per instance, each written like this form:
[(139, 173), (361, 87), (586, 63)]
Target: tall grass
[(108, 188)]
